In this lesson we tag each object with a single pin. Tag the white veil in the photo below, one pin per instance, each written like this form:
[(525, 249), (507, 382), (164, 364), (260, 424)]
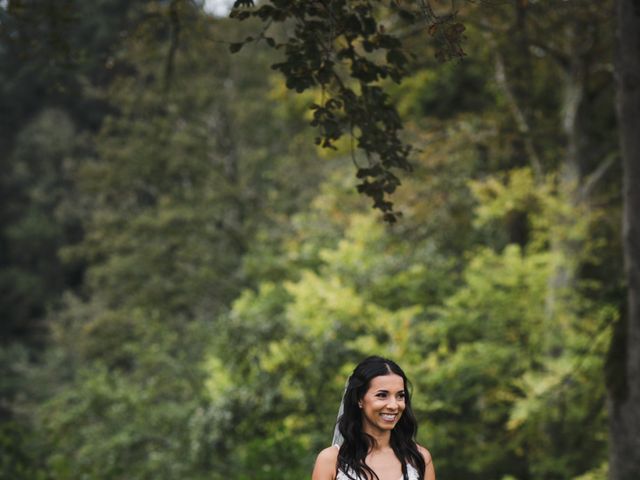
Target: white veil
[(337, 436)]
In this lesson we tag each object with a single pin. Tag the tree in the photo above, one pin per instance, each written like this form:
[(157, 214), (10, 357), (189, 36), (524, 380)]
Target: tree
[(230, 285), (624, 381), (625, 351), (172, 197), (472, 342), (343, 49), (53, 58)]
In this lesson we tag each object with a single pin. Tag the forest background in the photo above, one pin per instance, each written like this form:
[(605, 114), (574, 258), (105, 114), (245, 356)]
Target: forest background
[(187, 279)]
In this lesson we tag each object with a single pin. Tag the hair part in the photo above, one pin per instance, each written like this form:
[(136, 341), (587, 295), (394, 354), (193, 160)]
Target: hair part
[(357, 443)]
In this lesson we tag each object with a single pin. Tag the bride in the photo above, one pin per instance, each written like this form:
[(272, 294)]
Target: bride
[(375, 434)]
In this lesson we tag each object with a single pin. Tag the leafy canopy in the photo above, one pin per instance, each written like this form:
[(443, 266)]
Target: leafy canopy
[(344, 49)]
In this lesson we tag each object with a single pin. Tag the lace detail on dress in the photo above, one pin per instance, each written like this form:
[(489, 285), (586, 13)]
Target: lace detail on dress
[(411, 471)]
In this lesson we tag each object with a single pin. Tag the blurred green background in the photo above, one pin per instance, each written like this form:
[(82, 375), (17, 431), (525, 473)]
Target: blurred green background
[(186, 280)]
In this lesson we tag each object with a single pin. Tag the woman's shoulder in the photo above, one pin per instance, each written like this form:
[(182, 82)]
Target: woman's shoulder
[(329, 454), (425, 454), (429, 470), (325, 467)]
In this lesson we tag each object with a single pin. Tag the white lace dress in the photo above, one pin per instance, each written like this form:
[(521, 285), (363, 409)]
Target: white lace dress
[(413, 474)]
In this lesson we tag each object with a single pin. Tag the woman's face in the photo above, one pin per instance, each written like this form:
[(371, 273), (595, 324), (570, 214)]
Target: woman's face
[(383, 403)]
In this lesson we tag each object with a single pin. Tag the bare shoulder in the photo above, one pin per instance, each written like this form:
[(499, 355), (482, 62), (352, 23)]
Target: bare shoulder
[(325, 467), (429, 471), (329, 454), (425, 454)]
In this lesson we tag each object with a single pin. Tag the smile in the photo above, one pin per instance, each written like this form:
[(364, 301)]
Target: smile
[(389, 417)]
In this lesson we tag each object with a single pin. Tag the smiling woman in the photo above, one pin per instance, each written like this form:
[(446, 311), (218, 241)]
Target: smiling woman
[(383, 404), (377, 428)]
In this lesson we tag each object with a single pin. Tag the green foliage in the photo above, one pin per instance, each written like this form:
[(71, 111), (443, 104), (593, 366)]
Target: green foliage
[(37, 221), (497, 379), (445, 91), (497, 362), (221, 279), (16, 459), (342, 48), (170, 198), (108, 424)]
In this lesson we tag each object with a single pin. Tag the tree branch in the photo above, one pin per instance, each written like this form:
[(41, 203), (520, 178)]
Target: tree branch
[(519, 116), (592, 180), (174, 20)]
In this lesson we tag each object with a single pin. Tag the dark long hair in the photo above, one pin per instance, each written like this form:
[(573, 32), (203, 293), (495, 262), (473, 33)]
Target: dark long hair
[(356, 445)]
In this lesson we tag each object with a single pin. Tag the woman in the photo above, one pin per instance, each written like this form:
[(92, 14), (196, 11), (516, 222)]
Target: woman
[(377, 430)]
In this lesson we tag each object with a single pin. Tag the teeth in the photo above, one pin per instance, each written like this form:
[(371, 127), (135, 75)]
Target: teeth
[(388, 416)]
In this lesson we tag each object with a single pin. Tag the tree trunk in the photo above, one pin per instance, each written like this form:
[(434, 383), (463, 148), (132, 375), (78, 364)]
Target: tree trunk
[(624, 394)]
